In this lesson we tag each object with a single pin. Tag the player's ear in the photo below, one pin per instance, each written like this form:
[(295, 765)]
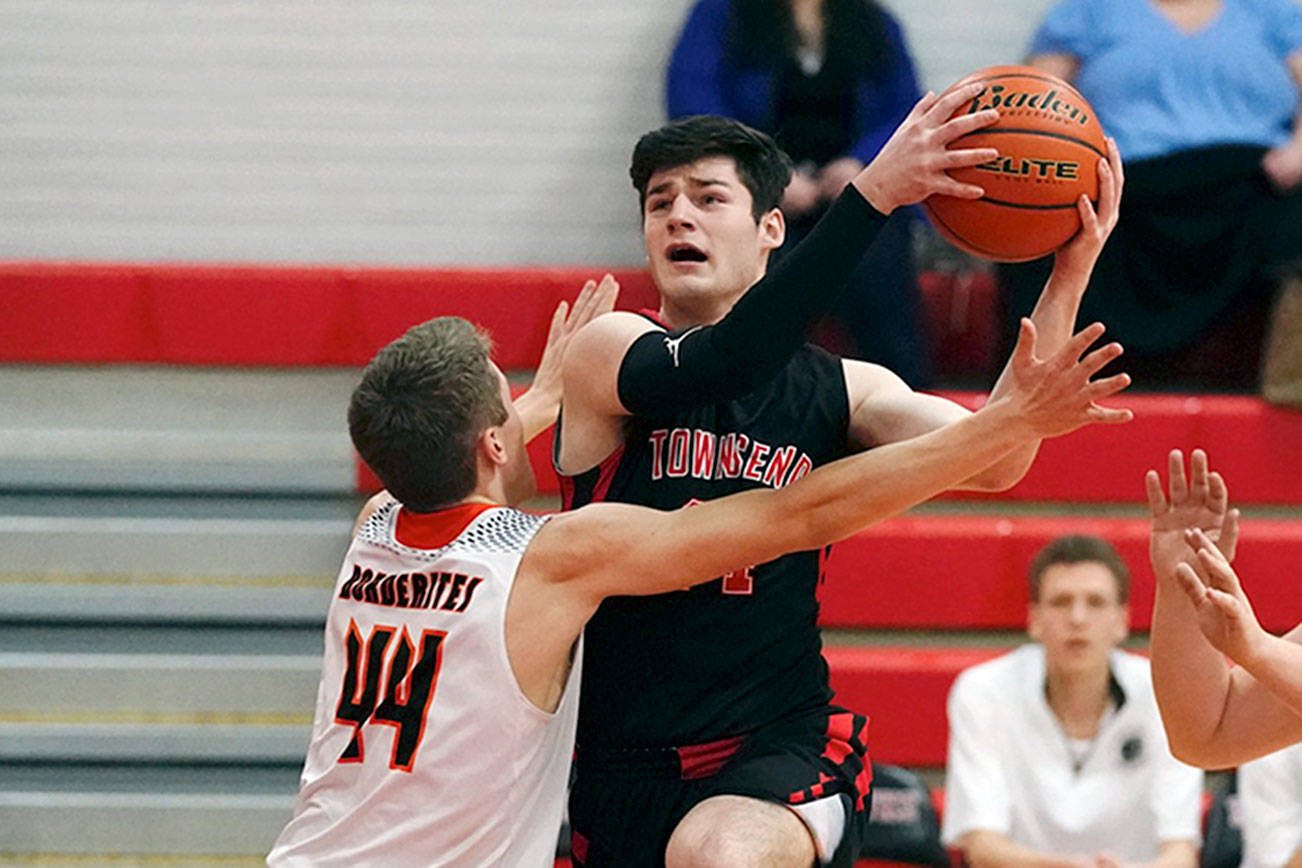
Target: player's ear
[(772, 229), (492, 445)]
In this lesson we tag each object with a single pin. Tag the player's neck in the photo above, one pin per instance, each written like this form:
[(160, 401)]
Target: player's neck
[(491, 488), (685, 313), (1079, 699), (677, 317)]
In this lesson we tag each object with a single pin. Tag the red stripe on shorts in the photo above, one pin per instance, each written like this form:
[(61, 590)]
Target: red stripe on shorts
[(579, 846), (702, 760), (844, 744)]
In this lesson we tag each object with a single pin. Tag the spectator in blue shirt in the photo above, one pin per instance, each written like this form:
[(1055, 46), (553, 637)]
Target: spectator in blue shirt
[(1168, 76), (830, 80), (1202, 99)]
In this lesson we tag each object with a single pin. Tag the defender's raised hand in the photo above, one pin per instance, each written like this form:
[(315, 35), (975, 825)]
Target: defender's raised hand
[(1057, 395), (912, 164), (594, 300), (539, 405)]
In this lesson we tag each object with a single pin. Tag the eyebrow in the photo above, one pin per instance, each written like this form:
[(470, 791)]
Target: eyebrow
[(694, 182)]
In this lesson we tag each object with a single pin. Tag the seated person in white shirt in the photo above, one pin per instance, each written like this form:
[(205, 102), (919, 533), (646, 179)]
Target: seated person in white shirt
[(1057, 757), (1270, 810)]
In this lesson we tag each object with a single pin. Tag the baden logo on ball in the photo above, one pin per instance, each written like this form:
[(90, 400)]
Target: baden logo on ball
[(1049, 142)]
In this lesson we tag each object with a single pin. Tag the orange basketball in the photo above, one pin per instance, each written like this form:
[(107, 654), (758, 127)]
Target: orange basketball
[(1049, 142)]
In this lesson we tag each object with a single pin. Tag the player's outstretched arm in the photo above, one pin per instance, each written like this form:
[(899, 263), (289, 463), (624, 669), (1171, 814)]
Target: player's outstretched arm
[(1215, 715), (539, 405), (607, 549)]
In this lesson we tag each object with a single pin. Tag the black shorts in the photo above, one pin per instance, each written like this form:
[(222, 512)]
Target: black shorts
[(625, 803)]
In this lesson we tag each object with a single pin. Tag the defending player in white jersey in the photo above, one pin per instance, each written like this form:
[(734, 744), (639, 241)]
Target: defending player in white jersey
[(446, 712)]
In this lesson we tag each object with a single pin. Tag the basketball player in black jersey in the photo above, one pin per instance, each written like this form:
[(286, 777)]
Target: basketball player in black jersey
[(706, 735)]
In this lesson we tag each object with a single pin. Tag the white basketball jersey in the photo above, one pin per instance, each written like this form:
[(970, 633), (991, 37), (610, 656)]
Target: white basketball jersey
[(424, 750)]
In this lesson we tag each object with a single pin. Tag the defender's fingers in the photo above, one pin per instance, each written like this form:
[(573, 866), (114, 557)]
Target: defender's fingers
[(557, 327), (1107, 387), (1156, 496), (1095, 361), (606, 303), (581, 301), (607, 295), (1109, 415), (1075, 347), (956, 128), (582, 310), (1024, 350), (1175, 467)]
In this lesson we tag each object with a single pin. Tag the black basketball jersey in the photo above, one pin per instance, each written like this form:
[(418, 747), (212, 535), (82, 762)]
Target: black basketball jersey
[(724, 657)]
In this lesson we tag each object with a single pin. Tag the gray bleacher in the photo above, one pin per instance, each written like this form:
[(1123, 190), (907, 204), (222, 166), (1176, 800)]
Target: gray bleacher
[(168, 540)]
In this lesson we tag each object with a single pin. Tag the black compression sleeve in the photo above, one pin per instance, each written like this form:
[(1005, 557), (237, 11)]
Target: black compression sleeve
[(763, 330)]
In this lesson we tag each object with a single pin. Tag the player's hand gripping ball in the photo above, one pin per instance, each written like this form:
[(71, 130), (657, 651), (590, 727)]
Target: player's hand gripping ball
[(1049, 142)]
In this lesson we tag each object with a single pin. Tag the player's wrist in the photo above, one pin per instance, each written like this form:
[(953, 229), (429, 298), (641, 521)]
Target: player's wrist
[(872, 187), (1007, 417)]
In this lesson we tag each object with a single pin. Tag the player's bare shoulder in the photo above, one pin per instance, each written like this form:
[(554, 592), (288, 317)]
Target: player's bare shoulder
[(602, 343), (591, 426)]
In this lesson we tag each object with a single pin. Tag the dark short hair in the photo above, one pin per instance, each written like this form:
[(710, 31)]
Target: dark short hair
[(419, 410), (763, 167), (1078, 550)]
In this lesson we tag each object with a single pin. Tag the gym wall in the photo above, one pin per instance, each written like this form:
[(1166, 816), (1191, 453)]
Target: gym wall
[(391, 131)]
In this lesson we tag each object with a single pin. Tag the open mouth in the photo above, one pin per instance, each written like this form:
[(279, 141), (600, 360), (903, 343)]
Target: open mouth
[(685, 253)]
